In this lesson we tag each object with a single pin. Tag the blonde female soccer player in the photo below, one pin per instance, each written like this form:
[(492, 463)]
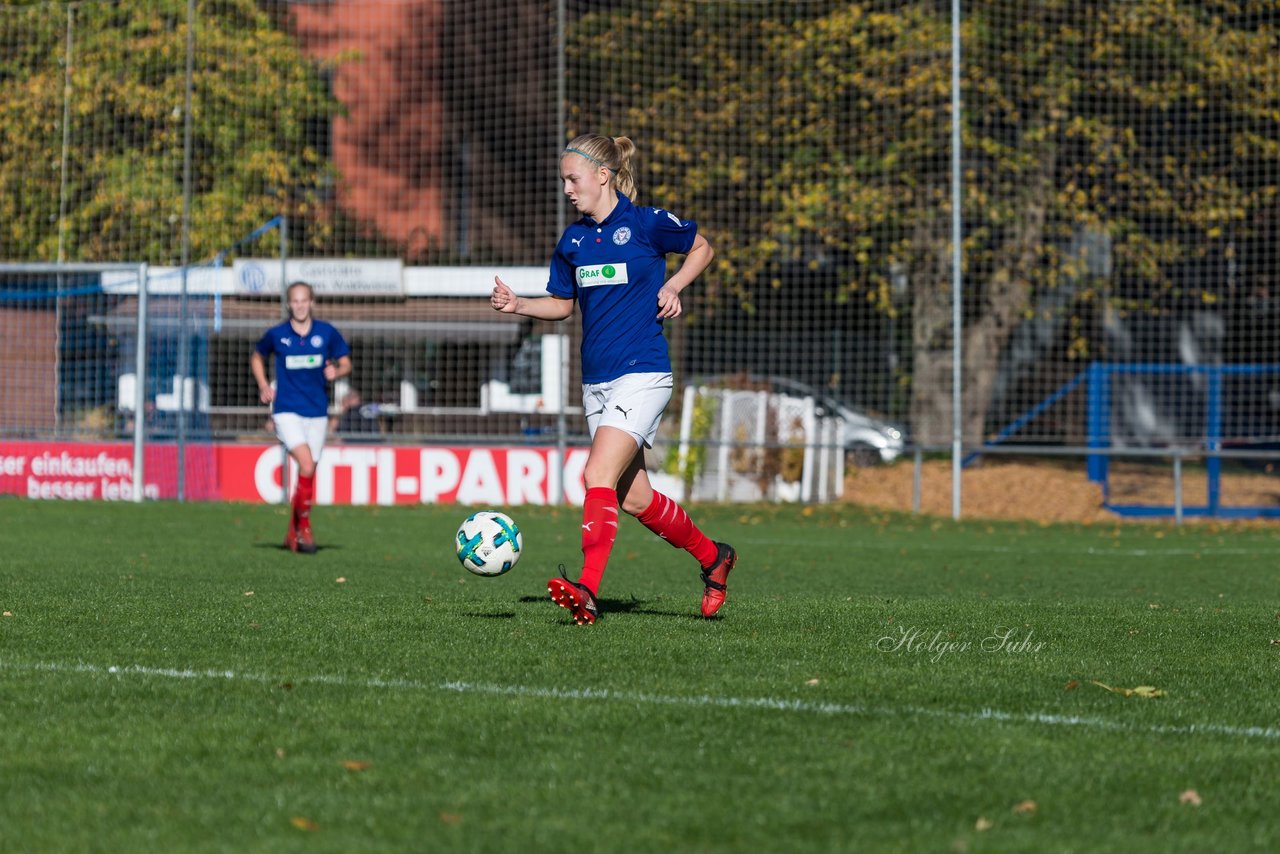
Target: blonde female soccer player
[(612, 263), (309, 354)]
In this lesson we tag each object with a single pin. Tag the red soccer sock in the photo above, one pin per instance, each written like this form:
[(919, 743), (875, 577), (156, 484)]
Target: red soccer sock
[(668, 520), (303, 495), (599, 530)]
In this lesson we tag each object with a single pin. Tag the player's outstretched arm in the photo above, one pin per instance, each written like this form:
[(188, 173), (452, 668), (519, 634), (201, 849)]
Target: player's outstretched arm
[(697, 260), (503, 299)]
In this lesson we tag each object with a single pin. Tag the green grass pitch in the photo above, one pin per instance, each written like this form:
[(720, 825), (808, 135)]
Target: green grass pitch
[(171, 680)]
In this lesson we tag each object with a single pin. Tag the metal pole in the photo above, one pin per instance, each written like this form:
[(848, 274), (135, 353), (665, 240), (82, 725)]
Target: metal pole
[(562, 95), (66, 137), (62, 216), (284, 303), (184, 337), (1177, 486), (140, 388), (917, 464), (957, 435)]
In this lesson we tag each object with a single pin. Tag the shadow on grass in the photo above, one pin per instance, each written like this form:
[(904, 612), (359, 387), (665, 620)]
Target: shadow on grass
[(692, 614), (628, 606), (280, 547)]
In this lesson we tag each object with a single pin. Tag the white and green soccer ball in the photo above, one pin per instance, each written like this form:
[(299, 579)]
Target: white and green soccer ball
[(489, 543)]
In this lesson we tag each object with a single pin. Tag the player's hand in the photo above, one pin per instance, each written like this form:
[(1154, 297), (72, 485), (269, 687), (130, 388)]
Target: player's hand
[(668, 303), (330, 371), (266, 394), (502, 299)]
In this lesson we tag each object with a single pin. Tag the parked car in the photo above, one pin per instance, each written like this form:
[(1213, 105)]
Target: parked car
[(868, 439)]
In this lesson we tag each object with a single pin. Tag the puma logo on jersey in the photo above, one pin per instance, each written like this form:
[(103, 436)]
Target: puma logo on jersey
[(577, 241), (625, 412)]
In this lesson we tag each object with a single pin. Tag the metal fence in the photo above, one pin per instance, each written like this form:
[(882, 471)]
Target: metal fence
[(1112, 288)]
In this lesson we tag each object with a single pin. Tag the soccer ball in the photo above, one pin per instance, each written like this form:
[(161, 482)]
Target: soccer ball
[(489, 543)]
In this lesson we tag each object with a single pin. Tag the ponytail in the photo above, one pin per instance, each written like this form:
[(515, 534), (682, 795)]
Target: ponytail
[(612, 153)]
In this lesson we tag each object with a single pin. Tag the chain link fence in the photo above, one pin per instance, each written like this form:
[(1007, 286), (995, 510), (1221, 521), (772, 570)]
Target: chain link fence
[(1118, 179)]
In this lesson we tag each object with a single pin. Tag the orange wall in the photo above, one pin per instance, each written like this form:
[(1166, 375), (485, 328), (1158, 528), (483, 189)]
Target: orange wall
[(388, 147)]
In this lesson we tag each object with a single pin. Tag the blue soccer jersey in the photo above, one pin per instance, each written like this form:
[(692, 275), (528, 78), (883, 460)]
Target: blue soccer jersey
[(300, 359), (615, 269)]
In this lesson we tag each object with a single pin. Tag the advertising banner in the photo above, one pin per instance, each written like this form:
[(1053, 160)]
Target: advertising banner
[(347, 474)]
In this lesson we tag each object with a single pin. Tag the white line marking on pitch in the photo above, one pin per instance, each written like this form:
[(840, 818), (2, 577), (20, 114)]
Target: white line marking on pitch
[(1088, 551), (638, 698)]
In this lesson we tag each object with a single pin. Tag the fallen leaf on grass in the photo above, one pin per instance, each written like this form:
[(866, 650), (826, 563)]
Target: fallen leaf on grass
[(1190, 797), (1274, 642), (1141, 691), (811, 682), (983, 823), (450, 817), (341, 579), (1027, 807), (8, 613), (356, 765), (1072, 685), (248, 593), (303, 823)]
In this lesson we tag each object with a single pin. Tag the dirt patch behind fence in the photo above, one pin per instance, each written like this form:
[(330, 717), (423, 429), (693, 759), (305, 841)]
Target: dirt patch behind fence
[(1049, 491)]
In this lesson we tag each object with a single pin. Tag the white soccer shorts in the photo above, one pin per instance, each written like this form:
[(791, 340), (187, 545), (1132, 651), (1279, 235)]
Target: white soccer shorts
[(632, 402), (294, 430)]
